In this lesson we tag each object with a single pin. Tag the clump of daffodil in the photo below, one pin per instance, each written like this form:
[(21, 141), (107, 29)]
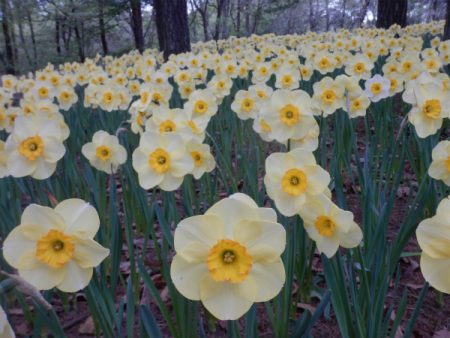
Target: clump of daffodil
[(440, 166), (328, 225), (162, 160), (55, 247), (433, 235), (430, 104), (104, 152), (292, 178), (34, 147), (377, 88), (287, 115), (229, 258)]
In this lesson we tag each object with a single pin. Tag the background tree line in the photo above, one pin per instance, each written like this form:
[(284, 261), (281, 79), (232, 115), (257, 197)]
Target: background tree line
[(35, 32)]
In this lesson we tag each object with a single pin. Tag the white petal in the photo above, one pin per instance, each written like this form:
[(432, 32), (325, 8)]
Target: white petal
[(88, 253), (227, 301), (75, 277), (187, 276), (80, 217)]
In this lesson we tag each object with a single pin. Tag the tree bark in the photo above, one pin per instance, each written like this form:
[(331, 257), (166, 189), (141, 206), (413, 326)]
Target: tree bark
[(238, 18), (391, 12), (327, 16), (447, 22), (101, 23), (220, 7), (203, 10), (57, 34), (312, 25), (33, 38), (136, 24), (344, 8), (18, 10), (8, 44), (172, 26)]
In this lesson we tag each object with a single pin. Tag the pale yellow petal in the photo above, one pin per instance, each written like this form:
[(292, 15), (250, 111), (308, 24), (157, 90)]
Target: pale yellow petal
[(270, 278), (195, 235), (75, 277), (227, 301), (187, 276), (43, 277), (80, 217), (265, 241), (15, 245), (88, 253), (436, 272), (38, 220), (434, 237)]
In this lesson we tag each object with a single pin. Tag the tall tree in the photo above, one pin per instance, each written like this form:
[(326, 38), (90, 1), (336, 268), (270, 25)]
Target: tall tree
[(58, 34), (136, 24), (447, 22), (202, 8), (101, 23), (391, 12), (8, 43), (172, 26)]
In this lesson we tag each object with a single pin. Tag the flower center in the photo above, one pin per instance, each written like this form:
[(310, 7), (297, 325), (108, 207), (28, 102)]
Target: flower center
[(103, 153), (447, 164), (329, 96), (324, 62), (159, 161), (167, 126), (375, 88), (265, 126), (32, 147), (193, 126), (107, 97), (325, 226), (247, 104), (289, 114), (294, 182), (432, 108), (359, 68), (356, 104), (157, 98), (198, 158), (43, 92), (55, 249), (286, 80), (200, 107), (229, 261)]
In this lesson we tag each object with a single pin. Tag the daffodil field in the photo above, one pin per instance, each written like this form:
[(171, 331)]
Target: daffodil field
[(248, 188)]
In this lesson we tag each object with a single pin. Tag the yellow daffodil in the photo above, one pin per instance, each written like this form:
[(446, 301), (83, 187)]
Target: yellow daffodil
[(34, 147), (104, 152), (161, 160), (433, 235), (55, 247), (229, 257), (440, 166), (328, 225), (291, 178)]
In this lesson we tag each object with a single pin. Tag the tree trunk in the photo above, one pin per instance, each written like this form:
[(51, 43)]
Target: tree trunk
[(101, 23), (391, 12), (220, 6), (8, 44), (57, 35), (362, 15), (172, 26), (225, 31), (311, 16), (33, 38), (344, 8), (327, 16), (136, 24), (238, 18), (447, 23), (24, 44)]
